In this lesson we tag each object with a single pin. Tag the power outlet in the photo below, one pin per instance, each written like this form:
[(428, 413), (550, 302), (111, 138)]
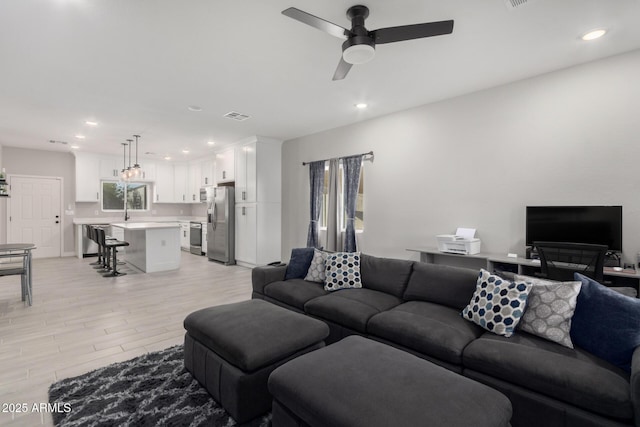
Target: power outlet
[(95, 212)]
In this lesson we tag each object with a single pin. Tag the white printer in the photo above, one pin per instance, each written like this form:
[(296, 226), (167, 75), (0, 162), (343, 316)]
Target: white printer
[(463, 242)]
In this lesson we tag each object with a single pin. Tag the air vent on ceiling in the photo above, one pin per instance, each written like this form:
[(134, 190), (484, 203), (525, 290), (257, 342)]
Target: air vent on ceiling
[(234, 115), (53, 141), (512, 4)]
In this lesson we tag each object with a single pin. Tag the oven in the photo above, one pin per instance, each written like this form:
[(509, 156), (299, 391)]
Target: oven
[(195, 238)]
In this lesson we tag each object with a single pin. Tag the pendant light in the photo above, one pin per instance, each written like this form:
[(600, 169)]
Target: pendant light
[(137, 170), (123, 172)]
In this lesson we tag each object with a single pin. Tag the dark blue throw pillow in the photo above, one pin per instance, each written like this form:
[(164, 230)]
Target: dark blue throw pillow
[(606, 323), (299, 263)]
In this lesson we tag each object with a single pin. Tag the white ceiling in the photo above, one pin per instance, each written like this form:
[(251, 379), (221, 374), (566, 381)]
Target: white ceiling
[(134, 66)]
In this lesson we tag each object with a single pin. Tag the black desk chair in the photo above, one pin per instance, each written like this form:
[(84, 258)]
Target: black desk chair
[(559, 260)]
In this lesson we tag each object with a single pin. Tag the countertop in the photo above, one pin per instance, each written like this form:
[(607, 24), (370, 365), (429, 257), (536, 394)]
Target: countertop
[(118, 219), (144, 225)]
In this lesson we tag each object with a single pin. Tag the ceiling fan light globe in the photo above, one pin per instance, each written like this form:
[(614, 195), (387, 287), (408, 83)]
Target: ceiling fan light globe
[(358, 54)]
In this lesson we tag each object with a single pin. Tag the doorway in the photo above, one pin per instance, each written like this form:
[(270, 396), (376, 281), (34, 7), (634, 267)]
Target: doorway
[(34, 214)]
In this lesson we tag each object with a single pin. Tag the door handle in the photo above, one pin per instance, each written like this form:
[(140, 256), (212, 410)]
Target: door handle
[(57, 216), (57, 222)]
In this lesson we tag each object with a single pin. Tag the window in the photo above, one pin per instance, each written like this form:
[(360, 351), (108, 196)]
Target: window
[(359, 223), (114, 194)]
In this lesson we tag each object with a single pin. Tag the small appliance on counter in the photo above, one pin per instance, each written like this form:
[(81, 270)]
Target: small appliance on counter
[(463, 242)]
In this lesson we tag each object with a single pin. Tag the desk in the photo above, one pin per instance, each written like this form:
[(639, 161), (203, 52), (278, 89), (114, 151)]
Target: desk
[(519, 265), (23, 251)]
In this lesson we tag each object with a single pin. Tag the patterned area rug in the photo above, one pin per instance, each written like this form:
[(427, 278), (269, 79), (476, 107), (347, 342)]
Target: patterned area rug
[(150, 390)]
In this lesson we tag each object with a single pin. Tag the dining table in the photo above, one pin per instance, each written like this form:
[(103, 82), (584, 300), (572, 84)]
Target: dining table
[(8, 266)]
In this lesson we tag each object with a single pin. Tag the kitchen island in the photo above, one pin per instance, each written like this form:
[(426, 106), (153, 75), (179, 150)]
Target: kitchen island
[(153, 246)]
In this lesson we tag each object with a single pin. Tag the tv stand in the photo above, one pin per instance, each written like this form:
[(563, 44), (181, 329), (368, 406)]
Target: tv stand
[(492, 262)]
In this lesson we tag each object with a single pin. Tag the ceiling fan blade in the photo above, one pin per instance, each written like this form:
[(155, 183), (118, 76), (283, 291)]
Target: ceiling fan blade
[(342, 70), (319, 23), (410, 32)]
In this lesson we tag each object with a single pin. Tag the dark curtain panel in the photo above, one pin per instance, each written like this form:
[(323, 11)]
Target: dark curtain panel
[(351, 166), (316, 181)]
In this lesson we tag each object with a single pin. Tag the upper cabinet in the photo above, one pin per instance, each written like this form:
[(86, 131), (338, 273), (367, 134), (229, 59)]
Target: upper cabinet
[(180, 179), (225, 166), (163, 188), (207, 168), (258, 171), (193, 182), (110, 167), (87, 177)]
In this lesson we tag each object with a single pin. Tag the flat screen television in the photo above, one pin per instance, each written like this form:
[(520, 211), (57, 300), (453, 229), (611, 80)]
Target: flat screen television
[(600, 225)]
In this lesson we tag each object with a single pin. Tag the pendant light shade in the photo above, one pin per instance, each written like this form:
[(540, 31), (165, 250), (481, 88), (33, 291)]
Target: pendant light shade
[(137, 169), (123, 172)]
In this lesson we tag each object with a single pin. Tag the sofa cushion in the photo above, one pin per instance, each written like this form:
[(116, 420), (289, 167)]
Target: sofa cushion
[(342, 271), (570, 375), (385, 274), (497, 304), (351, 307), (299, 263), (316, 268), (550, 307), (428, 328), (441, 284), (294, 292), (606, 323)]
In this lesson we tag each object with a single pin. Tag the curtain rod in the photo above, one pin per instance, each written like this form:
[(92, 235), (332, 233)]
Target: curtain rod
[(370, 154)]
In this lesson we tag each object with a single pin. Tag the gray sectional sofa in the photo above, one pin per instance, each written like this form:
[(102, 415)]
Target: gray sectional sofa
[(416, 307)]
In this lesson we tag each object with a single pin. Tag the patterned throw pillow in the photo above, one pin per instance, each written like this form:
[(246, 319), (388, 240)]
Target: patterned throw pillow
[(316, 269), (342, 271), (497, 304), (550, 307)]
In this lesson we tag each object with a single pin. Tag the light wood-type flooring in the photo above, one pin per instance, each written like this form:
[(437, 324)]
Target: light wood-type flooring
[(81, 321)]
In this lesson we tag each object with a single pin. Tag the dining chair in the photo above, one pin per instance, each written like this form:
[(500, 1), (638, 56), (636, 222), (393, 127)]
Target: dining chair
[(9, 267)]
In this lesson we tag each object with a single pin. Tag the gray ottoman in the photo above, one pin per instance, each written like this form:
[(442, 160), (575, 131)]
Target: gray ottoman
[(232, 349), (358, 382)]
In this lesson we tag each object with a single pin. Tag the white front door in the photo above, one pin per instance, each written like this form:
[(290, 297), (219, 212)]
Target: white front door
[(34, 214)]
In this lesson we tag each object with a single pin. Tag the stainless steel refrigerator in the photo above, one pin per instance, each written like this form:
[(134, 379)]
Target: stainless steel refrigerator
[(221, 225)]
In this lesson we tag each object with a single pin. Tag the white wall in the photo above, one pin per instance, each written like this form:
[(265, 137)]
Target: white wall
[(569, 137)]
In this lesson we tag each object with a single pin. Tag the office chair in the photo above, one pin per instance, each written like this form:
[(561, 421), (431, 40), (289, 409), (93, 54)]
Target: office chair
[(559, 260)]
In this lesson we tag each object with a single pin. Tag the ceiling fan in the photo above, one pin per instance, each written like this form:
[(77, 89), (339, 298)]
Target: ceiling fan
[(360, 43)]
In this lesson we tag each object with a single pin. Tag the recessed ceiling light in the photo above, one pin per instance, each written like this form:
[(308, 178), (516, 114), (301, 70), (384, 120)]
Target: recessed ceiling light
[(194, 108), (75, 147), (185, 151), (90, 123), (167, 157), (211, 142), (80, 136), (594, 34), (361, 105)]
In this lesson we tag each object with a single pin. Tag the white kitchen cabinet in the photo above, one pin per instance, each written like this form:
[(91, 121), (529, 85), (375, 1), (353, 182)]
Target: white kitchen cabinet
[(258, 201), (110, 167), (163, 189), (184, 235), (207, 172), (204, 237), (148, 170), (225, 166), (193, 182), (180, 179), (257, 233), (87, 177)]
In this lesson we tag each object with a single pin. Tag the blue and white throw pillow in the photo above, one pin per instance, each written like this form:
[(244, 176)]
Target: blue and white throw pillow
[(342, 271), (498, 304), (317, 267)]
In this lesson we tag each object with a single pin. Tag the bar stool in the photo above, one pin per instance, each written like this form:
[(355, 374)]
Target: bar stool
[(109, 253)]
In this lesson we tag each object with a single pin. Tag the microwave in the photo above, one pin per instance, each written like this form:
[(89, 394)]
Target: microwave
[(203, 194)]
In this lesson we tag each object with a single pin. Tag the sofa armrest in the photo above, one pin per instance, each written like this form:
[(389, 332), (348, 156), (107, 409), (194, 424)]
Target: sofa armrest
[(634, 385), (263, 275)]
